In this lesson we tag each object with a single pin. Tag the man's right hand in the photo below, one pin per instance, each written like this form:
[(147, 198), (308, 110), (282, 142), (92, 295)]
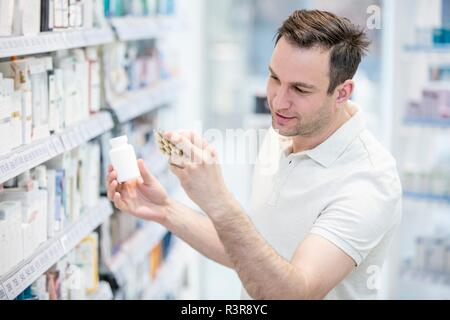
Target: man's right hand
[(145, 198)]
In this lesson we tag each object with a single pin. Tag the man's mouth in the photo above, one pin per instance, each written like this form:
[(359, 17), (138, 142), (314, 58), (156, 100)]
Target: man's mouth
[(284, 117), (281, 119)]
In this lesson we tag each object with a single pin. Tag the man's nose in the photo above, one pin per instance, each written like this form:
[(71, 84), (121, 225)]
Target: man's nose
[(282, 100)]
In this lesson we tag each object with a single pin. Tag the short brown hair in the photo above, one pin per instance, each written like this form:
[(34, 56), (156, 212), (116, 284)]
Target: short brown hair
[(348, 42)]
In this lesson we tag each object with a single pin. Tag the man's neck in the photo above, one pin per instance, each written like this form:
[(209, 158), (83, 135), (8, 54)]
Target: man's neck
[(300, 143)]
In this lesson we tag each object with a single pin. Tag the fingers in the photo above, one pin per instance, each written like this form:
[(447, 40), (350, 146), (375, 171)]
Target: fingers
[(112, 189), (209, 154), (191, 153), (145, 173), (111, 177), (111, 184), (195, 139), (118, 202)]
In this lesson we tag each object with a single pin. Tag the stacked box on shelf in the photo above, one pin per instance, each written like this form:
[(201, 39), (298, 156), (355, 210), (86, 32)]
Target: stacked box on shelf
[(131, 66), (46, 200), (435, 103), (432, 182), (44, 95), (432, 254), (31, 17), (11, 241), (74, 277), (120, 8)]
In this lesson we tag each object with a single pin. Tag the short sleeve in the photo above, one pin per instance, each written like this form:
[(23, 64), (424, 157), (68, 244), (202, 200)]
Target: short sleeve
[(358, 216)]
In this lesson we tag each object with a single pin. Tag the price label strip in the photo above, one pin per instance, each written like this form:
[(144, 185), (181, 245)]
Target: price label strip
[(65, 141), (20, 161), (84, 132), (15, 284), (3, 295), (108, 122), (59, 146)]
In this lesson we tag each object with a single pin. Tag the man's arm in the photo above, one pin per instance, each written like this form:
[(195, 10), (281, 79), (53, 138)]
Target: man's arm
[(197, 230), (316, 267)]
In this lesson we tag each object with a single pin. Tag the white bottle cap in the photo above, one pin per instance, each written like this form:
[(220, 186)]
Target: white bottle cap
[(118, 141)]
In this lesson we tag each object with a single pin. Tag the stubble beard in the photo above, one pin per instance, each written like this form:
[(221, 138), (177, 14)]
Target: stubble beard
[(307, 128)]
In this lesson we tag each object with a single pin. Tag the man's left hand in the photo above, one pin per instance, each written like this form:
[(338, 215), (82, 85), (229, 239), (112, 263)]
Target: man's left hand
[(199, 172)]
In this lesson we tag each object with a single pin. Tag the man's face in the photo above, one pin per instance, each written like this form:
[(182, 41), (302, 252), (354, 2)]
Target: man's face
[(297, 90)]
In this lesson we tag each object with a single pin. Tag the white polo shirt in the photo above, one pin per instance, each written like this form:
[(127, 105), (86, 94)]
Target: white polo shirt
[(346, 190)]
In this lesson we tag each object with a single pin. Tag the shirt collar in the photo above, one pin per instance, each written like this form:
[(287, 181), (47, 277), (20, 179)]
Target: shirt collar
[(332, 148)]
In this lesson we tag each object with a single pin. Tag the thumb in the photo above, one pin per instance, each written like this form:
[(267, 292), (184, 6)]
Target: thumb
[(147, 177)]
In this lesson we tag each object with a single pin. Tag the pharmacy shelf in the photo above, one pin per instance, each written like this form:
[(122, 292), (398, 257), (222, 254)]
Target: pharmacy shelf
[(168, 276), (426, 196), (139, 102), (103, 293), (54, 41), (28, 271), (436, 48), (135, 249), (443, 123), (142, 28), (38, 152), (425, 277)]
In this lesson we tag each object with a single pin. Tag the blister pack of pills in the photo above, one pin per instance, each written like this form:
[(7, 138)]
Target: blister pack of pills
[(165, 146)]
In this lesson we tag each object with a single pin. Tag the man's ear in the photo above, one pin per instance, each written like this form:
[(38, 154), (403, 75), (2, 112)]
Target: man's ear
[(344, 91)]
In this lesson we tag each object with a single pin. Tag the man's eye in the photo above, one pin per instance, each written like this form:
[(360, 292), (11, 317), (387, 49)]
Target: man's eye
[(274, 78), (300, 90)]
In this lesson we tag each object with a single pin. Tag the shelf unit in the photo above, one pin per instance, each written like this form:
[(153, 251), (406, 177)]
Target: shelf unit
[(436, 48), (136, 103), (141, 28), (24, 274), (126, 108), (169, 274), (440, 123), (426, 196), (407, 71), (428, 277), (135, 249), (38, 152), (103, 292), (53, 41)]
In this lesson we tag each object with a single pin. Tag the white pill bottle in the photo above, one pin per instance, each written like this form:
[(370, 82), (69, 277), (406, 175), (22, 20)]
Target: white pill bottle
[(123, 159)]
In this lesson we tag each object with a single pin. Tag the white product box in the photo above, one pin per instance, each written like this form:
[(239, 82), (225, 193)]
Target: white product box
[(94, 96), (91, 176), (51, 202), (60, 103), (82, 80), (6, 101), (34, 216), (88, 14), (6, 17), (39, 68), (16, 120), (65, 14), (58, 14), (11, 246), (19, 70), (27, 17)]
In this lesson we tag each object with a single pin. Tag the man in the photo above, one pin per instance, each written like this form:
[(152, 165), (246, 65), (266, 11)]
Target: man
[(322, 222)]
